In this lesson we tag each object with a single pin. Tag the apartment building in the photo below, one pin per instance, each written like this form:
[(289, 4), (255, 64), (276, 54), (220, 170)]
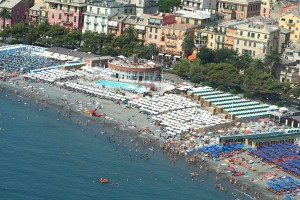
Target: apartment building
[(199, 17), (291, 22), (193, 5), (266, 7), (239, 9), (167, 34), (68, 13), (251, 36), (98, 13), (17, 12)]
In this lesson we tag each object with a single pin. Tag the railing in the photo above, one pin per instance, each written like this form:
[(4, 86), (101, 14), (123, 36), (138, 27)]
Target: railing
[(67, 22), (172, 37)]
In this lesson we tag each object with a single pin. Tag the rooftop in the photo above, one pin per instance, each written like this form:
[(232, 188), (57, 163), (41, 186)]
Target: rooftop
[(194, 15), (133, 62), (73, 53), (179, 26), (9, 3), (108, 3), (38, 6), (295, 46), (119, 17), (241, 1), (133, 19), (74, 2)]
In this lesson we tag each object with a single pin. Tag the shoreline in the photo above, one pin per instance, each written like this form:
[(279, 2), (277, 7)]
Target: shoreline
[(210, 166)]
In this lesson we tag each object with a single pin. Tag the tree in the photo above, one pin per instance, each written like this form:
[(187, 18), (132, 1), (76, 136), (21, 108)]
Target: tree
[(223, 74), (72, 39), (167, 5), (18, 31), (182, 68), (5, 33), (4, 14), (243, 62), (131, 33), (273, 60), (188, 44), (198, 71), (206, 55), (150, 51), (258, 64)]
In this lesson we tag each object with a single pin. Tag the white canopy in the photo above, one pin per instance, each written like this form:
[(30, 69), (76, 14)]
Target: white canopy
[(112, 23)]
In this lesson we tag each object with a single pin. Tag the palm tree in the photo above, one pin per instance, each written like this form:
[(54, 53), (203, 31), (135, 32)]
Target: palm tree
[(131, 32), (151, 50), (4, 14), (273, 60), (188, 44)]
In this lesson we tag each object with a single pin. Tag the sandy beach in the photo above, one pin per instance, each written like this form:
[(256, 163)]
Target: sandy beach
[(131, 121)]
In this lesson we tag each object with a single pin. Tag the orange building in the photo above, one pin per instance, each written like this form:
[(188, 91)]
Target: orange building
[(239, 9), (167, 34)]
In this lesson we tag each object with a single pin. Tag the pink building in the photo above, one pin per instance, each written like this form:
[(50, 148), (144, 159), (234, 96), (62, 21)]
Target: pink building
[(17, 12), (265, 11), (68, 13)]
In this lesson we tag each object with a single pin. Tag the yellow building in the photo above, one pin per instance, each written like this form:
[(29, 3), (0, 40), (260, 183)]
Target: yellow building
[(291, 22), (248, 36)]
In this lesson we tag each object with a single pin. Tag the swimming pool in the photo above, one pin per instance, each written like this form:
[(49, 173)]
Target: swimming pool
[(121, 85)]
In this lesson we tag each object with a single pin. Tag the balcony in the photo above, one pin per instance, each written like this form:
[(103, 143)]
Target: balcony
[(67, 22), (68, 12), (87, 21), (171, 45), (225, 42), (172, 37), (96, 23), (290, 23)]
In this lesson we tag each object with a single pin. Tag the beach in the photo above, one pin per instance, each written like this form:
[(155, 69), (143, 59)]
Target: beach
[(126, 119)]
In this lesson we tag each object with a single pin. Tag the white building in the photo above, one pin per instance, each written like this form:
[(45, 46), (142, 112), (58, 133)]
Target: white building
[(193, 5), (98, 13), (292, 52)]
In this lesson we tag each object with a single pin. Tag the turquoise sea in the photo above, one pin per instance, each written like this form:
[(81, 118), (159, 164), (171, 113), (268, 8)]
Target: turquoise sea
[(42, 157)]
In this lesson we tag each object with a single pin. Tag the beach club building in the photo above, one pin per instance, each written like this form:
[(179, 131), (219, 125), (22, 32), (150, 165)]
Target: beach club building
[(134, 69)]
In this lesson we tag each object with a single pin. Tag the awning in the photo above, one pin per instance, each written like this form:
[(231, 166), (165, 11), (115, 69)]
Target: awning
[(139, 27), (177, 56), (157, 21), (112, 23), (203, 34), (167, 55), (160, 54), (152, 21)]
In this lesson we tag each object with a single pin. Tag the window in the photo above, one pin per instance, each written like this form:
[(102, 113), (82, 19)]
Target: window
[(156, 29), (105, 11), (102, 28), (150, 35), (253, 53), (195, 21), (130, 10), (98, 11), (17, 17), (241, 33), (68, 8), (237, 49), (249, 44), (52, 15), (75, 8), (125, 10), (60, 7), (95, 27), (59, 16), (187, 20), (155, 37), (252, 35), (254, 44), (238, 41), (243, 8), (91, 9), (75, 18), (266, 37), (212, 37), (150, 29), (211, 44), (258, 36), (245, 42), (218, 38), (248, 34)]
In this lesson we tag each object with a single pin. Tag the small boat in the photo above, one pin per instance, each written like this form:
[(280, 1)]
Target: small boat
[(238, 174), (103, 180), (99, 114)]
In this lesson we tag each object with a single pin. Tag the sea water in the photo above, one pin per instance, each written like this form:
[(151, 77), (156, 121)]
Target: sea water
[(44, 155)]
